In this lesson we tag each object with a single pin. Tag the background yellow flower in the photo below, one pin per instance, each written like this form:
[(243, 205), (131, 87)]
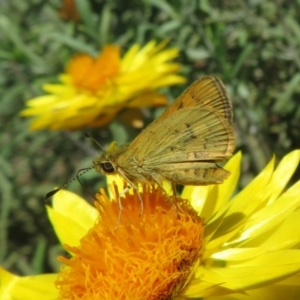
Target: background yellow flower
[(94, 90)]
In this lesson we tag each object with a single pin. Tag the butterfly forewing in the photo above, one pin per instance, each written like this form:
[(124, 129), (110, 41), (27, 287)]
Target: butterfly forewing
[(207, 92), (194, 135), (198, 124)]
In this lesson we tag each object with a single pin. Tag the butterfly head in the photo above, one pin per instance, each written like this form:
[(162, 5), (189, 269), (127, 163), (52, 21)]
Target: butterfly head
[(108, 162), (104, 165)]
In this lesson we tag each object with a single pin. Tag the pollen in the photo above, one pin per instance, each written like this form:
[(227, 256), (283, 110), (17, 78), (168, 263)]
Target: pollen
[(148, 257)]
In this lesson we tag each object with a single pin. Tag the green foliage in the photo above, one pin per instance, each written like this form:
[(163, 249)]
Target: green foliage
[(253, 46)]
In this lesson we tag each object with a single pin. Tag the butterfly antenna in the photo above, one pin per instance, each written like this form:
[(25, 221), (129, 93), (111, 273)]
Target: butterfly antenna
[(94, 140), (79, 173)]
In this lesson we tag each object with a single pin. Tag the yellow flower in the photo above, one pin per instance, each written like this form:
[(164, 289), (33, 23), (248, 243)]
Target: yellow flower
[(94, 90), (146, 257), (241, 247)]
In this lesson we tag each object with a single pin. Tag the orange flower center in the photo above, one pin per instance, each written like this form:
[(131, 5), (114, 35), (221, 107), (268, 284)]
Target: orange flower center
[(147, 257), (94, 73)]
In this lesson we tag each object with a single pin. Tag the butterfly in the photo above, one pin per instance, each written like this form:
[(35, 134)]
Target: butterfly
[(183, 145)]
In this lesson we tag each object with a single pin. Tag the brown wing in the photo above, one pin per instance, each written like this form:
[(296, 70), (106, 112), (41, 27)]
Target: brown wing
[(191, 173), (188, 135), (203, 110), (207, 92)]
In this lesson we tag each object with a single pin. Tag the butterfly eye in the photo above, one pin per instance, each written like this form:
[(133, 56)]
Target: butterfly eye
[(107, 167)]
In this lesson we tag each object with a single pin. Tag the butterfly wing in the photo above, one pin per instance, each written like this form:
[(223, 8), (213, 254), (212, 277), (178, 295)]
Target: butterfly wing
[(189, 135), (192, 134), (187, 151), (207, 92)]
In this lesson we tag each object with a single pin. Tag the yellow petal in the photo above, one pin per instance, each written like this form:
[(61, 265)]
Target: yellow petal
[(68, 231), (27, 288), (68, 226), (197, 196), (219, 194), (289, 287), (265, 271), (268, 268), (238, 254), (236, 211), (246, 197), (148, 99), (284, 172), (207, 284), (169, 80), (226, 189), (128, 58), (288, 258), (286, 236), (39, 102), (270, 216), (72, 206), (58, 89)]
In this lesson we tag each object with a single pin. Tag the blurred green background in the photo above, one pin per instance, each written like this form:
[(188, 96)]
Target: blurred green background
[(253, 46)]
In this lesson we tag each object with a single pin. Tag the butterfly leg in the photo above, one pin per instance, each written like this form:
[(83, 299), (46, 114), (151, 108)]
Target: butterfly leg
[(174, 195), (126, 189), (120, 206), (141, 203), (174, 189), (169, 197)]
